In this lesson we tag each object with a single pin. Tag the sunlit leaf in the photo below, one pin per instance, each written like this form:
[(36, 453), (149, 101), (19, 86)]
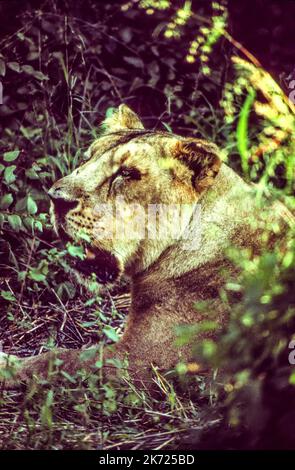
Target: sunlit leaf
[(31, 206), (9, 175), (111, 333), (11, 156), (242, 130), (15, 222), (6, 201)]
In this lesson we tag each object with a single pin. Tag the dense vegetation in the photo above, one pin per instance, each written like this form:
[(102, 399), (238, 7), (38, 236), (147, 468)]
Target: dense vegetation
[(186, 67)]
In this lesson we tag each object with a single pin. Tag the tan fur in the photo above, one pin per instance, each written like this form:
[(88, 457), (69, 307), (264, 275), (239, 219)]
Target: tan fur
[(167, 278)]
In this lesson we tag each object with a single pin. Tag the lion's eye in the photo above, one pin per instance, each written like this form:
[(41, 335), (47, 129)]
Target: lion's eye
[(124, 173), (130, 173)]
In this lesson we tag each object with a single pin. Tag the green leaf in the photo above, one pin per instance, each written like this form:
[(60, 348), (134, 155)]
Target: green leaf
[(14, 66), (110, 391), (35, 73), (89, 302), (167, 127), (2, 67), (31, 173), (29, 222), (38, 225), (208, 348), (83, 236), (46, 413), (292, 378), (39, 274), (88, 354), (66, 290), (35, 275), (6, 201), (76, 251), (111, 333), (68, 377), (242, 129), (110, 111), (9, 175), (135, 61), (21, 205), (15, 222), (31, 206), (11, 156), (88, 324), (7, 295), (109, 406)]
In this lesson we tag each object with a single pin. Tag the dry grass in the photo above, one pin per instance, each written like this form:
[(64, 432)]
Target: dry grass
[(77, 418)]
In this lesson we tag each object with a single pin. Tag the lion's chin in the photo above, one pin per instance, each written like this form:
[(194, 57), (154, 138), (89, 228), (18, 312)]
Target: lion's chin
[(100, 263), (97, 262)]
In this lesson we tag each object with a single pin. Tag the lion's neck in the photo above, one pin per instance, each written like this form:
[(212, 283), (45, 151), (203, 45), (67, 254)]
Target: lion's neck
[(218, 216), (179, 276)]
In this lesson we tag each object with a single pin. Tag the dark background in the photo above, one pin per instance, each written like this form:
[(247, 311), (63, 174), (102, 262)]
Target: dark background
[(264, 27)]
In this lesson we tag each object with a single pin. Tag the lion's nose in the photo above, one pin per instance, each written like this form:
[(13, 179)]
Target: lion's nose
[(62, 200)]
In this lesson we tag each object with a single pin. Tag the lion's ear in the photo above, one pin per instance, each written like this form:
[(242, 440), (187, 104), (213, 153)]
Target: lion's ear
[(202, 158), (122, 118)]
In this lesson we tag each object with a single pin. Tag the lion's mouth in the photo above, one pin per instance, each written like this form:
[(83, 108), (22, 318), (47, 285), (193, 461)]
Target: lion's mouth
[(97, 261), (101, 263)]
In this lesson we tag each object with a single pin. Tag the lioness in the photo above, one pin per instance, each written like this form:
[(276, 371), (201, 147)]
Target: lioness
[(169, 272)]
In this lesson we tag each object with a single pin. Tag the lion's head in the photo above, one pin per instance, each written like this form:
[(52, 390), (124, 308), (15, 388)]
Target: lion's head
[(105, 203)]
